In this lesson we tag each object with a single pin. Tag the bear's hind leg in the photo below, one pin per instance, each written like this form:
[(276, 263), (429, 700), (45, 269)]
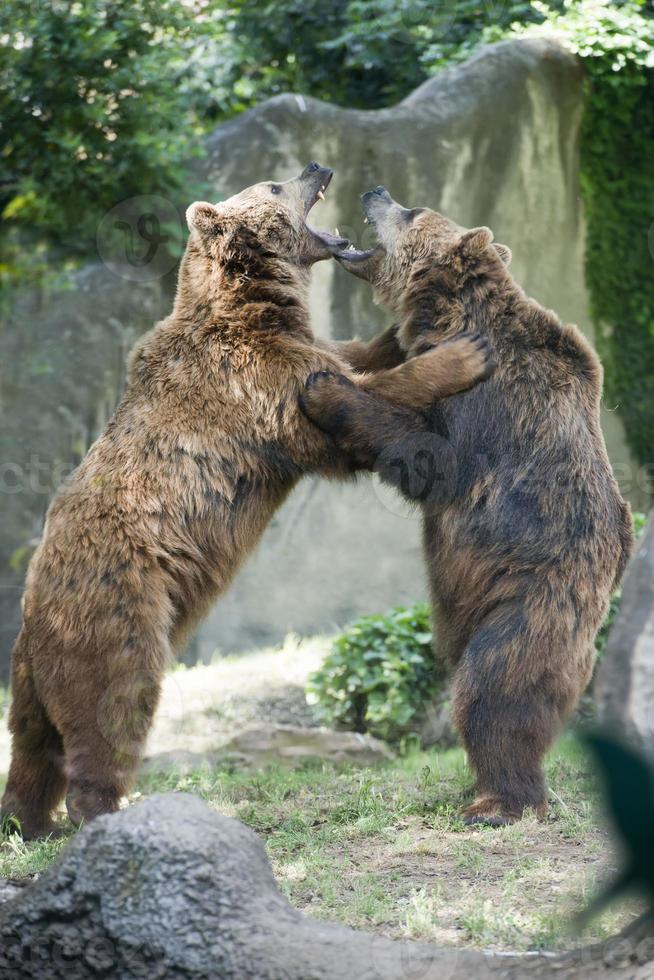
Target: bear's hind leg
[(36, 781), (103, 746), (510, 701)]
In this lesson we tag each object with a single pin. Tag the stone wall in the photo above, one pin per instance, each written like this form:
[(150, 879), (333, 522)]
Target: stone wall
[(624, 688), (494, 141)]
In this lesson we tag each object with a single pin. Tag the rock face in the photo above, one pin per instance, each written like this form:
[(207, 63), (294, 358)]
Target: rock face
[(168, 890), (625, 682), (286, 745), (494, 141), (62, 365)]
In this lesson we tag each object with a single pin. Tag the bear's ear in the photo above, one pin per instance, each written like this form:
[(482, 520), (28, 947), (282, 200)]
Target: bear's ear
[(504, 252), (474, 242), (203, 217)]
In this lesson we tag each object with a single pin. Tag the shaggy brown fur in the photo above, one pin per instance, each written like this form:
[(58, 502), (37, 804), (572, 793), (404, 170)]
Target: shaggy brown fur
[(204, 446), (525, 532)]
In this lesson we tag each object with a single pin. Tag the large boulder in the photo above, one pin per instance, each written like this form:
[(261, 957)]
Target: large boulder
[(625, 681), (290, 746), (168, 890), (493, 141)]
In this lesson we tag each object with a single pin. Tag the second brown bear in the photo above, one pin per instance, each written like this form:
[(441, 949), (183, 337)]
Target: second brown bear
[(525, 532)]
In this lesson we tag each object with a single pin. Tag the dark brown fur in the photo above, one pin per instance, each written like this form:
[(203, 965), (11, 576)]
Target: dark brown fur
[(205, 445), (525, 532)]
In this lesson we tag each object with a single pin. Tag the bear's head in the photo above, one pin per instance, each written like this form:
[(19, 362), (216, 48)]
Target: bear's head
[(410, 241), (265, 221)]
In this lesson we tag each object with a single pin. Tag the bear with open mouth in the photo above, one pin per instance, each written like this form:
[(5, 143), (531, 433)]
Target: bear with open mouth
[(206, 443), (525, 532)]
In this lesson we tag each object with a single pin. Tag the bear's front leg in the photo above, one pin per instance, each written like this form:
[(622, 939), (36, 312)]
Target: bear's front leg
[(379, 354), (396, 442), (360, 423), (432, 373)]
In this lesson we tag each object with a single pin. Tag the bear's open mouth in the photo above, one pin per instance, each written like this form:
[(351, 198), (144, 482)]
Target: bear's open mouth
[(333, 241), (371, 202), (353, 254), (324, 175)]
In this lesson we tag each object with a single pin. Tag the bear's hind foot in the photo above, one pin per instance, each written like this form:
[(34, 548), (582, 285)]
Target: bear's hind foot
[(29, 828), (492, 811), (85, 804)]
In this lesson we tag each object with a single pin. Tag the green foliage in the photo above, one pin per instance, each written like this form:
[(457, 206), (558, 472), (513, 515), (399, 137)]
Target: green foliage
[(91, 113), (616, 43), (366, 53), (379, 674)]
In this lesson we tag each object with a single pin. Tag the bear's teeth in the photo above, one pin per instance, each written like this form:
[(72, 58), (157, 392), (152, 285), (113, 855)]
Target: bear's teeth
[(320, 195), (365, 221), (336, 232)]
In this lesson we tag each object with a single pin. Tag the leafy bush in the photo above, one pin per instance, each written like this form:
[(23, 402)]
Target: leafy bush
[(379, 674), (365, 54), (91, 113)]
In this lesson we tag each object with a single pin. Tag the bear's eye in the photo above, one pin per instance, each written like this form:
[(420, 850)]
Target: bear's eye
[(275, 189)]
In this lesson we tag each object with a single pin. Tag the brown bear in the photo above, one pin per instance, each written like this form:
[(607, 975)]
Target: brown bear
[(525, 532), (205, 444)]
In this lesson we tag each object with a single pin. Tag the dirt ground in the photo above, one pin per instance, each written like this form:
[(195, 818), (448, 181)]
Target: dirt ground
[(378, 848)]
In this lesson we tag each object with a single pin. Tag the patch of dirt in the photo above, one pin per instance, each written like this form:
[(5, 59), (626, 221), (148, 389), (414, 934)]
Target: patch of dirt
[(510, 888)]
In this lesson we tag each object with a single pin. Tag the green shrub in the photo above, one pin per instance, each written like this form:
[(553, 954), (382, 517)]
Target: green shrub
[(92, 112), (365, 54), (379, 674)]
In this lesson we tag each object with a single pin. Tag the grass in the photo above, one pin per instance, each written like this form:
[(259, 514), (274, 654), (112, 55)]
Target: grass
[(384, 849)]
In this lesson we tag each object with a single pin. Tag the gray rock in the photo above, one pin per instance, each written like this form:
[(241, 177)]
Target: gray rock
[(286, 745), (168, 890), (494, 141), (625, 681), (291, 745), (9, 889)]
